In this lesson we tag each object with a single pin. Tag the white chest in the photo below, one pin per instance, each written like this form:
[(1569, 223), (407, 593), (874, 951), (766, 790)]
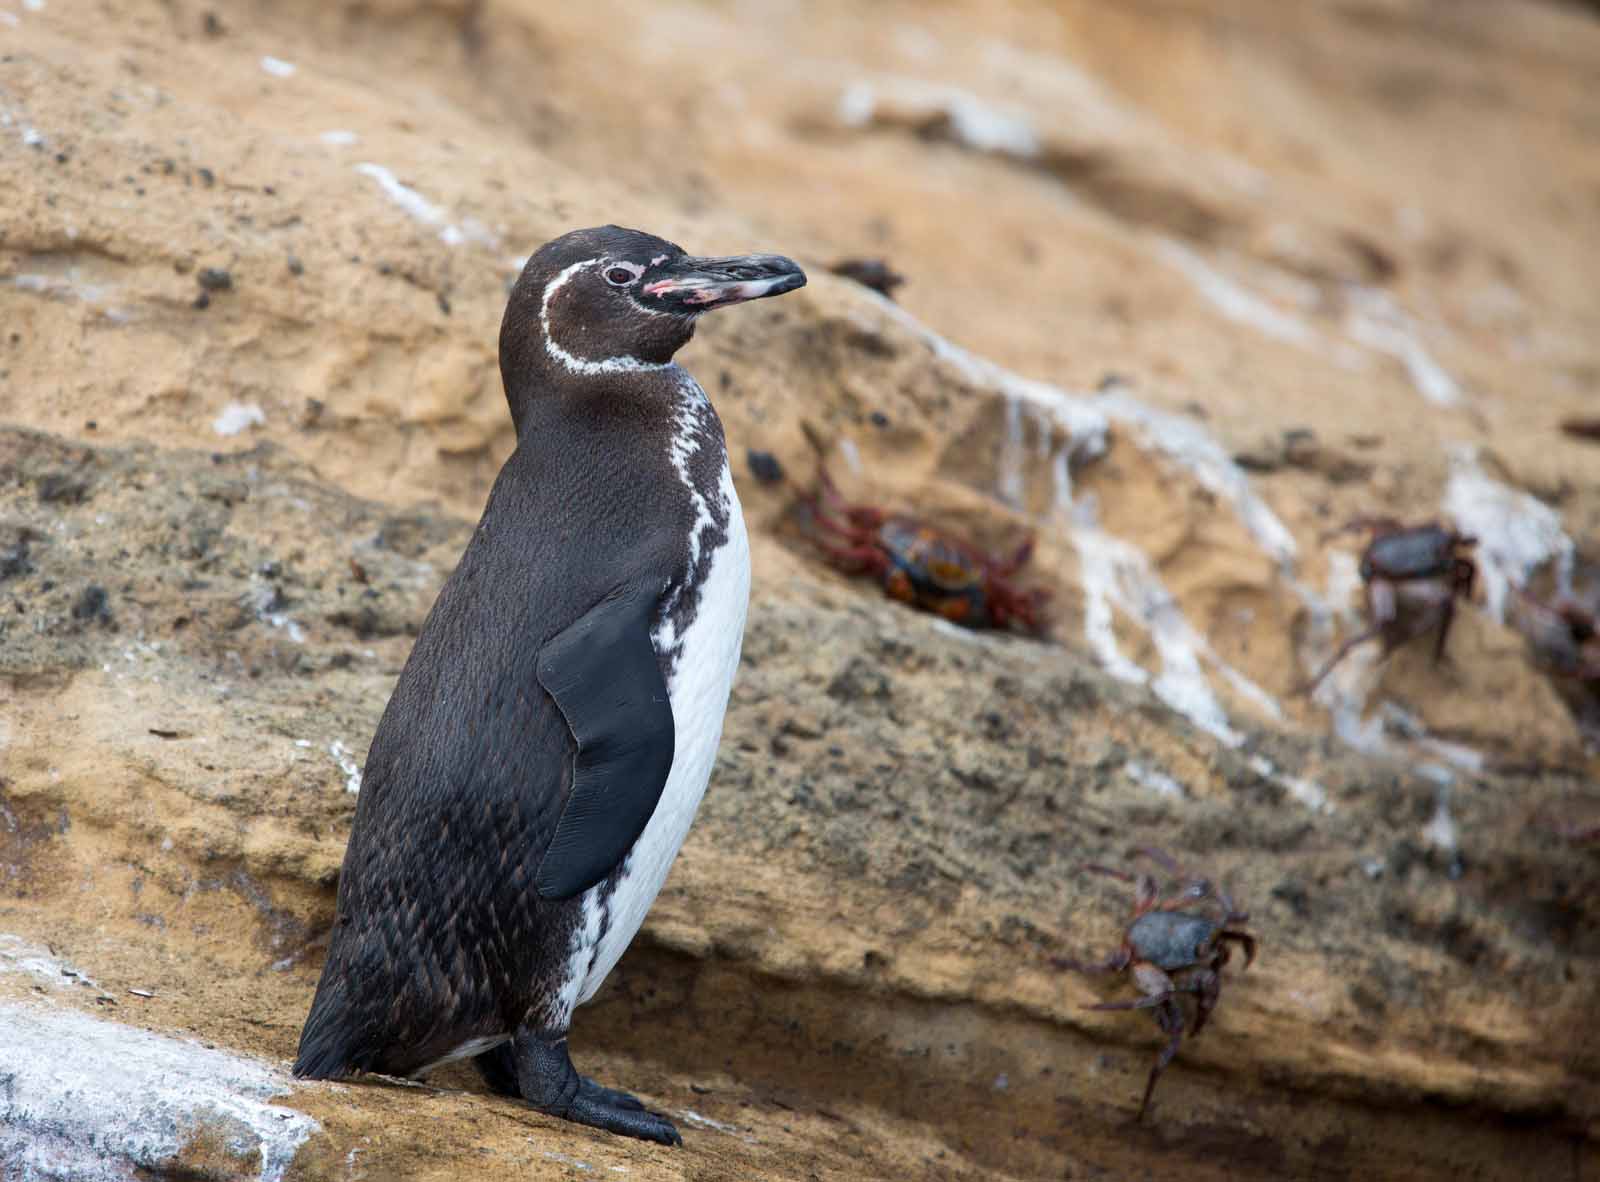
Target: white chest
[(698, 690)]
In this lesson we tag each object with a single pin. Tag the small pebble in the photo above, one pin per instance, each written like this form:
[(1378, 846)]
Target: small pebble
[(92, 604), (764, 466)]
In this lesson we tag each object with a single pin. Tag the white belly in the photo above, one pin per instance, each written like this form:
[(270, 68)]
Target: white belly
[(698, 690)]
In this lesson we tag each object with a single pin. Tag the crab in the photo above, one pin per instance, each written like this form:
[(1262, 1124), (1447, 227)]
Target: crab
[(1171, 947), (1564, 633), (924, 566), (1413, 576)]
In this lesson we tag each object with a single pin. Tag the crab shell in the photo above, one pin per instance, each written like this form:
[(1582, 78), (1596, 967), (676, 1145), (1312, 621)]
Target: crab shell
[(931, 571), (1172, 940), (1415, 553)]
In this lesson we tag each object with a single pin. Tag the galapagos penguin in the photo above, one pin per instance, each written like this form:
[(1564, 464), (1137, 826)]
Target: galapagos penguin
[(551, 735)]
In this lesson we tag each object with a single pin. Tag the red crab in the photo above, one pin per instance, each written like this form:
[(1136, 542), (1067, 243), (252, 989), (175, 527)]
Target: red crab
[(1171, 948), (1413, 577), (922, 565)]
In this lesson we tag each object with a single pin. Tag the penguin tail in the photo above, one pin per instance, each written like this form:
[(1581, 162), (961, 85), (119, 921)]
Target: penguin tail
[(327, 1049), (321, 1062)]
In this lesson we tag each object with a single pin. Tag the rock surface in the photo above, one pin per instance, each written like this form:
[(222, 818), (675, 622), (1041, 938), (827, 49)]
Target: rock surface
[(1265, 270)]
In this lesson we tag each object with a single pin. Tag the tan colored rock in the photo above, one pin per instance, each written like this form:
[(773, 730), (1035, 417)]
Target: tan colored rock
[(1287, 229)]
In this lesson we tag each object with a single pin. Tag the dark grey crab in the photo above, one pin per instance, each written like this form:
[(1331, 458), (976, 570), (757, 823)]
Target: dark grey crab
[(1413, 575), (1171, 948)]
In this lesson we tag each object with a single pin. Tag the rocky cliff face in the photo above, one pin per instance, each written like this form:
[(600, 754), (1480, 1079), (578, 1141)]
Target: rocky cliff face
[(1189, 287)]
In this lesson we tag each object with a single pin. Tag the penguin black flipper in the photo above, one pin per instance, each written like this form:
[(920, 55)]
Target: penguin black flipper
[(605, 677)]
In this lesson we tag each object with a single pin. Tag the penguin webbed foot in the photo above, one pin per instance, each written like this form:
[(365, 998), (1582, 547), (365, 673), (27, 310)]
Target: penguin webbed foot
[(546, 1079), (618, 1112), (611, 1097)]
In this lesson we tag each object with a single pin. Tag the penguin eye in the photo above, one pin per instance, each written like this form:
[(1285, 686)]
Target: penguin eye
[(620, 276)]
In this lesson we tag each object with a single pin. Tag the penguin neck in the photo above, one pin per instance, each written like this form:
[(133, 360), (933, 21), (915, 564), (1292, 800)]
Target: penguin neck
[(542, 398), (535, 369)]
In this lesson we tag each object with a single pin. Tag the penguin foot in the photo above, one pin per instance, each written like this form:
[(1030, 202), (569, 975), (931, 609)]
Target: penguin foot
[(618, 1112), (547, 1080), (608, 1096)]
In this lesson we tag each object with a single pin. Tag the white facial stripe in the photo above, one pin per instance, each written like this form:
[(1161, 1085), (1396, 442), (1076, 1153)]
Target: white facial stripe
[(583, 365)]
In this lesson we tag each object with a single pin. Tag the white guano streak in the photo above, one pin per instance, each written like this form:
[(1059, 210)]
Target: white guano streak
[(1517, 533), (572, 362)]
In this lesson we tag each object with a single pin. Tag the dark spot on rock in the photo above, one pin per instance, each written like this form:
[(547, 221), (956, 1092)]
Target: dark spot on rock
[(1367, 1001), (296, 267), (1110, 380), (92, 604), (207, 177), (1582, 428), (873, 273), (215, 279), (858, 681), (878, 419), (444, 303), (14, 560), (368, 622), (1295, 895), (61, 488), (203, 300), (212, 24), (872, 343), (764, 466)]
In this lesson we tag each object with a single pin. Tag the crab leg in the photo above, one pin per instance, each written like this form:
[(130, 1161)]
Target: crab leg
[(860, 535), (1017, 560), (1345, 650), (1245, 939), (1207, 988), (1170, 1018), (855, 558)]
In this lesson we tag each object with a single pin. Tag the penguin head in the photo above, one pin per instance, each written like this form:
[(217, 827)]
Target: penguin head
[(610, 301)]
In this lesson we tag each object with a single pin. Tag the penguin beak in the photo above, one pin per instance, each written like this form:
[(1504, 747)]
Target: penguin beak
[(689, 286)]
